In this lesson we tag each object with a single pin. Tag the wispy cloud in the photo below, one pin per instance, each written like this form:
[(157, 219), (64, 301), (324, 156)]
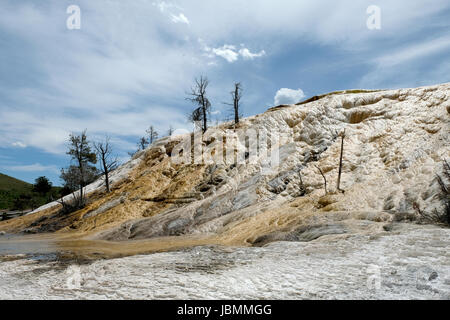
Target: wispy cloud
[(165, 6), (173, 11), (19, 144), (36, 167), (414, 51), (230, 53), (227, 52), (179, 18), (415, 61), (131, 63), (98, 72), (248, 55)]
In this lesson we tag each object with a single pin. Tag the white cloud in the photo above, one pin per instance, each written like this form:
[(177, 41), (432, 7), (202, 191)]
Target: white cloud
[(288, 96), (179, 18), (227, 52), (19, 144), (230, 53), (37, 167), (247, 55)]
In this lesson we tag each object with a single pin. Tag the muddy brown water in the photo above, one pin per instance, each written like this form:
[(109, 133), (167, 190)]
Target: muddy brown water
[(65, 248)]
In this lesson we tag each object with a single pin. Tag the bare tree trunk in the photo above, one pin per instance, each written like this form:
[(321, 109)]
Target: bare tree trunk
[(108, 164), (108, 190), (105, 167), (340, 162), (236, 104), (152, 134), (236, 95), (205, 119), (80, 201)]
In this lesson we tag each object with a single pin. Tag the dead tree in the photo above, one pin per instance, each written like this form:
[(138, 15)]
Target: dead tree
[(340, 162), (152, 134), (236, 95), (324, 179), (108, 163), (196, 118), (170, 131), (198, 96), (142, 144)]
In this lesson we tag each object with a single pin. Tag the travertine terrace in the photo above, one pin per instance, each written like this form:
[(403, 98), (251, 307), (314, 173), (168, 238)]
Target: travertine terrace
[(395, 143)]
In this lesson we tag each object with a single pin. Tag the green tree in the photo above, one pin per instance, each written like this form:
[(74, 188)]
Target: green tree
[(42, 186), (22, 202), (25, 201)]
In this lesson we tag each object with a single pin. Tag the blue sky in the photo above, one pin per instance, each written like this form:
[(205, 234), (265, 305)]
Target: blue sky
[(131, 62)]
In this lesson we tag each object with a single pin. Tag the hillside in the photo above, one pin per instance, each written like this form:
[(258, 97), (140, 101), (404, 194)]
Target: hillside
[(395, 144), (10, 183), (10, 189)]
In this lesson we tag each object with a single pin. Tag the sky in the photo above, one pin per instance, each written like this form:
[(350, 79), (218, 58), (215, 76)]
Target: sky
[(128, 64)]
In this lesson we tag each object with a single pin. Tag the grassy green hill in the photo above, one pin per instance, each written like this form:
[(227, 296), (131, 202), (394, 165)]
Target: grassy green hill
[(11, 189), (10, 183)]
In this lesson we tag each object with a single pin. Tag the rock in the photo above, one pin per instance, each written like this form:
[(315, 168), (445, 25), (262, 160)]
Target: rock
[(2, 233), (392, 153), (105, 207), (329, 199), (302, 234), (177, 226), (278, 184), (433, 276), (315, 232)]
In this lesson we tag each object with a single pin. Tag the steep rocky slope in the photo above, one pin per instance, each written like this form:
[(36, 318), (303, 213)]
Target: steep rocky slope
[(395, 143)]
